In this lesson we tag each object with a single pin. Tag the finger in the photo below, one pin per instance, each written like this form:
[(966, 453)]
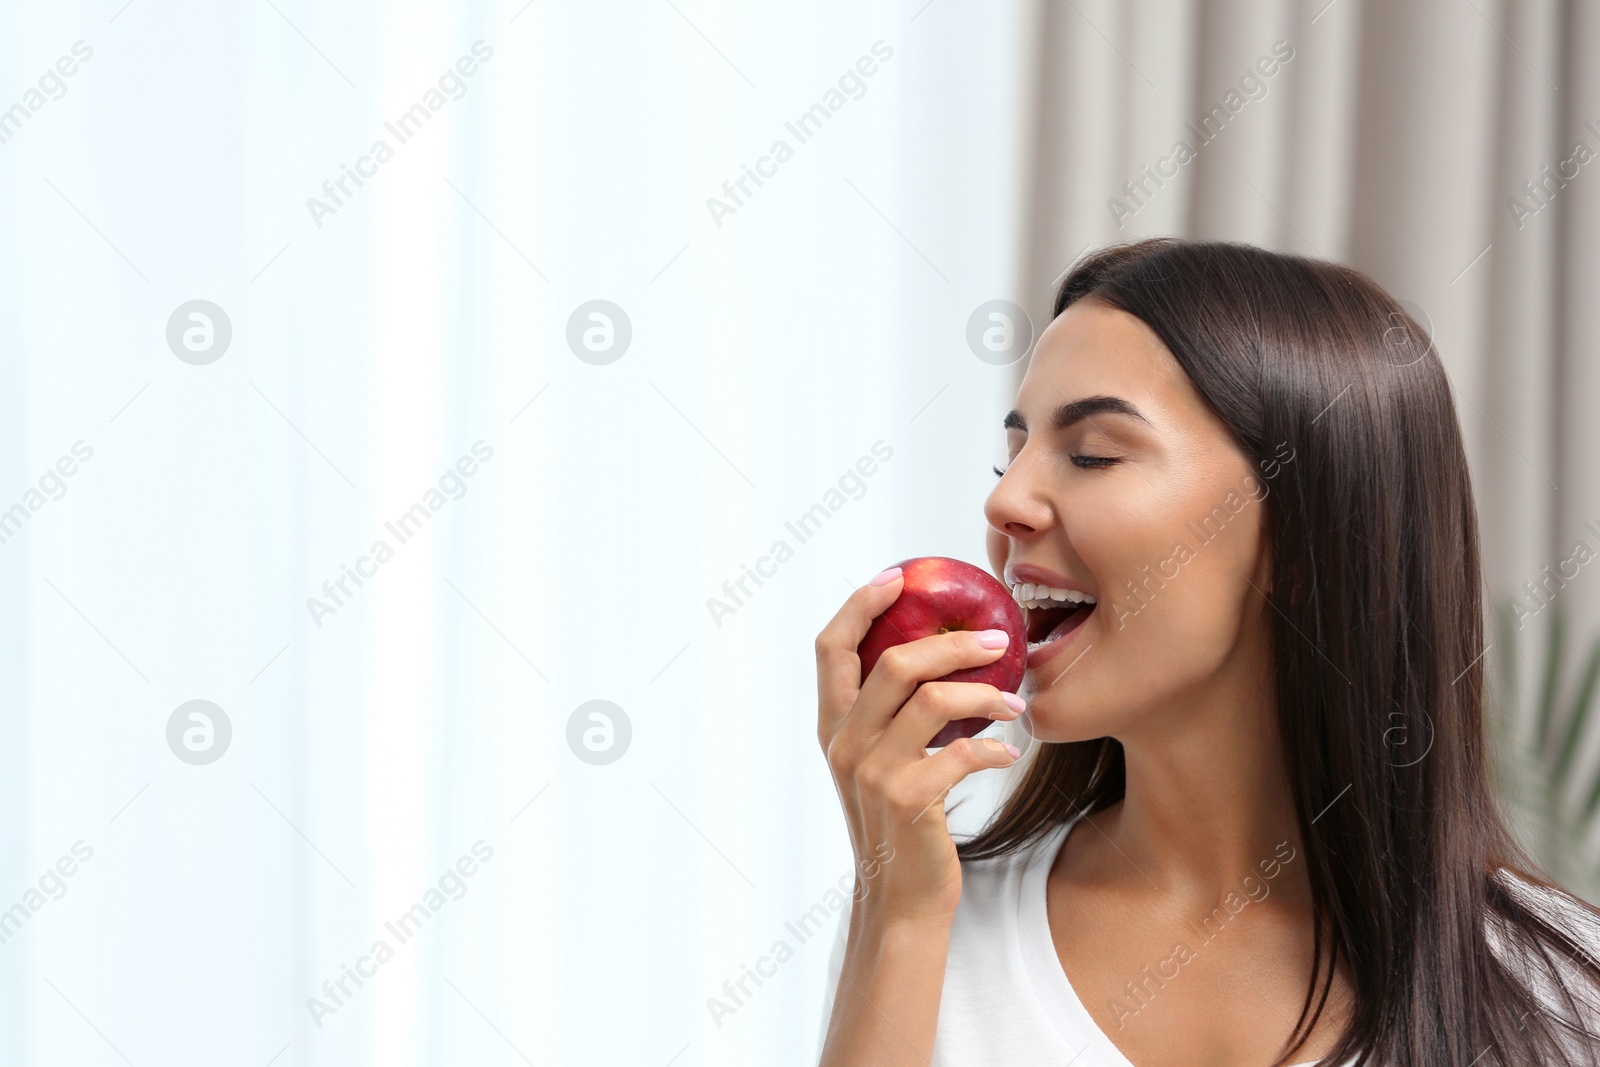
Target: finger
[(934, 776), (936, 704), (902, 668), (838, 666)]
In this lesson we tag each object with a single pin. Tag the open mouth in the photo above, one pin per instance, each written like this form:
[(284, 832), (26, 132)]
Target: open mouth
[(1051, 614)]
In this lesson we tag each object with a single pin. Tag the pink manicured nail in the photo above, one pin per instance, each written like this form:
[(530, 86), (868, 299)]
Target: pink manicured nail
[(993, 638), (1014, 702), (1016, 753), (886, 577)]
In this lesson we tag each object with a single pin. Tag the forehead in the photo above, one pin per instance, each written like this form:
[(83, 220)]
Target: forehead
[(1092, 349)]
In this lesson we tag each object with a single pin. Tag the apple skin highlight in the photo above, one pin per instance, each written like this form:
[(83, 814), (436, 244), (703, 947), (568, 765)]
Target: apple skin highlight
[(939, 595)]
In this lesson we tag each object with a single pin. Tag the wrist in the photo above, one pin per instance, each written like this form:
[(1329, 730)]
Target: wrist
[(896, 925)]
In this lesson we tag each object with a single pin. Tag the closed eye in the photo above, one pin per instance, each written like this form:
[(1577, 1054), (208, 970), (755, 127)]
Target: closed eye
[(1085, 462)]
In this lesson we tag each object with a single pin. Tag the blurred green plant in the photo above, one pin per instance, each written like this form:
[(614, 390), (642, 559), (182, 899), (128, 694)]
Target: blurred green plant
[(1551, 793)]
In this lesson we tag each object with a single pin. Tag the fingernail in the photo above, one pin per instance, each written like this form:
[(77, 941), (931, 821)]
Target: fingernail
[(1014, 702), (993, 638), (886, 577), (1016, 753)]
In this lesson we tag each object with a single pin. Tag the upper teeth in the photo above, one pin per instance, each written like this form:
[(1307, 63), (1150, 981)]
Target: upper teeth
[(1030, 595)]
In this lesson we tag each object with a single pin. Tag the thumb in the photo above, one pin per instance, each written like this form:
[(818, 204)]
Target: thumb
[(978, 753)]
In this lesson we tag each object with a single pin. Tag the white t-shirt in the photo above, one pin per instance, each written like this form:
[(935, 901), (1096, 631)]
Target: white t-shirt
[(1006, 999)]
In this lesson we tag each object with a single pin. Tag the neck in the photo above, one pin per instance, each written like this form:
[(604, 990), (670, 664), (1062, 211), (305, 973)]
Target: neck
[(1208, 797)]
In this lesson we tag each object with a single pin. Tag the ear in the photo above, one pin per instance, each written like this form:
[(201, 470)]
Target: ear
[(1262, 578)]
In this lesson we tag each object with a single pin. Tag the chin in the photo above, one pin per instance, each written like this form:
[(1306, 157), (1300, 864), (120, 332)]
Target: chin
[(1106, 698), (1052, 717)]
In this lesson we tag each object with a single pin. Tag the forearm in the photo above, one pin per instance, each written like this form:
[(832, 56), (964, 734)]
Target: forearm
[(886, 1008)]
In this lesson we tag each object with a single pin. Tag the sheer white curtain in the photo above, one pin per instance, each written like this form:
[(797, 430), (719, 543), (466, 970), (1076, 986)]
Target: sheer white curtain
[(395, 531)]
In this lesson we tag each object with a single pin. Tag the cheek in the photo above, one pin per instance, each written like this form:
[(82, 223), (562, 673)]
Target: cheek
[(1191, 591), (1137, 547)]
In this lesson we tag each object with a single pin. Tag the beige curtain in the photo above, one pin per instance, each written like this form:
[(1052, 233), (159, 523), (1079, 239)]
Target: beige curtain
[(1396, 137)]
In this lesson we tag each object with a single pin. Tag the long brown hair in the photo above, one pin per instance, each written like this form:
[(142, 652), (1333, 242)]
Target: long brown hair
[(1378, 631)]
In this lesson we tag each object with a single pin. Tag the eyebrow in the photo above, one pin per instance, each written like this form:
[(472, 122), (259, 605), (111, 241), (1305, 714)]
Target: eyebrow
[(1074, 411)]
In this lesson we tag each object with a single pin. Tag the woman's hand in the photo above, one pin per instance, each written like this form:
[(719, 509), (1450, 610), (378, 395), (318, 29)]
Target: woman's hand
[(875, 734)]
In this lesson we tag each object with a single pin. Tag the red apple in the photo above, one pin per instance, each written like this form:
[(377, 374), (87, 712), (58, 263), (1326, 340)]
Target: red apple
[(940, 595)]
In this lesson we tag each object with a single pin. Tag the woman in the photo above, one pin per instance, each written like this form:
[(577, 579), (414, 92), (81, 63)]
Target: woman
[(1255, 825)]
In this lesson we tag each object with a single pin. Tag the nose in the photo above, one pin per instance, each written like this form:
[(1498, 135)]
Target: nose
[(1014, 507)]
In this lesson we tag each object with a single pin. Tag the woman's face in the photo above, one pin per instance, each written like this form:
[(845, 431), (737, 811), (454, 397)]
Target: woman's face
[(1123, 486)]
